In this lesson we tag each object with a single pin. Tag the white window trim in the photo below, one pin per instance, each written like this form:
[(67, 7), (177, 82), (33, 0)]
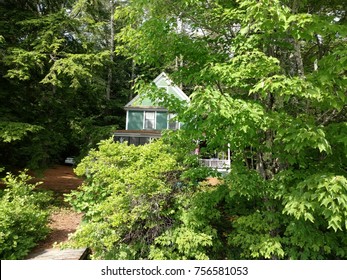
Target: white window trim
[(144, 120), (127, 121)]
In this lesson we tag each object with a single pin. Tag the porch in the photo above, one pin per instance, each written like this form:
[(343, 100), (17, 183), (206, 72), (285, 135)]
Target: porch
[(136, 137), (222, 165)]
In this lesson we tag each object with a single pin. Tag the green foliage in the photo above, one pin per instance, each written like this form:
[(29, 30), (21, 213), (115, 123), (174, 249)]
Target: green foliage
[(23, 220), (76, 67), (200, 229), (137, 207), (125, 197), (283, 220), (86, 134), (24, 61), (319, 196), (255, 237), (304, 241), (54, 64), (268, 79), (11, 131)]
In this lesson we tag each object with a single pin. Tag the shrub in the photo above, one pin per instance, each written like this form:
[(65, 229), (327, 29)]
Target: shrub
[(23, 222), (138, 205)]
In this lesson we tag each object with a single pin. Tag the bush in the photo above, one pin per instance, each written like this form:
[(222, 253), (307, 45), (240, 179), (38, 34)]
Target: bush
[(138, 205), (148, 202), (23, 222)]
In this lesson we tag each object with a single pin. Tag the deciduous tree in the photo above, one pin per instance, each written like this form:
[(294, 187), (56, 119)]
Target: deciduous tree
[(269, 78)]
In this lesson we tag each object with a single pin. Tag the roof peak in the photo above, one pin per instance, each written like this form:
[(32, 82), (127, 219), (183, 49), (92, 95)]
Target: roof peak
[(162, 81)]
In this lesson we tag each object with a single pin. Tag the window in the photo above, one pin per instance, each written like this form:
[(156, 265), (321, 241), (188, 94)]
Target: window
[(149, 120)]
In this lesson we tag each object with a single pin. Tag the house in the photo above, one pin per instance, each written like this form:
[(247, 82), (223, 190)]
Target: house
[(145, 119)]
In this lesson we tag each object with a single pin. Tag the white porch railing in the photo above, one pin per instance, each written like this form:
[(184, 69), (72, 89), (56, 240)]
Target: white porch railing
[(216, 163)]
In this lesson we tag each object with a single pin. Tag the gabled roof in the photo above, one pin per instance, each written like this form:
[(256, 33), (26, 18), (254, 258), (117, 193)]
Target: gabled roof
[(161, 81)]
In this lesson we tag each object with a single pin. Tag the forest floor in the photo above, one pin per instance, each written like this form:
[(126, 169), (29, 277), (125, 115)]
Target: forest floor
[(63, 221)]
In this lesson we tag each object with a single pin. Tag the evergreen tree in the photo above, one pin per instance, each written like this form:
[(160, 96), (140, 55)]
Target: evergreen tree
[(54, 74)]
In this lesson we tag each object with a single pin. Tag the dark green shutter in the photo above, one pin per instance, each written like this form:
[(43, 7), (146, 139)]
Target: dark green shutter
[(135, 120), (161, 120)]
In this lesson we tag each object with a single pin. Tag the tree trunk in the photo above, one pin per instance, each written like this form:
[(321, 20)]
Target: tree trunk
[(110, 68), (298, 59), (297, 47), (133, 68), (260, 165)]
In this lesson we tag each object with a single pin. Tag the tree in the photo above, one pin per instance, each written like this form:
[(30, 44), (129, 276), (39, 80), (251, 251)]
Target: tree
[(269, 78), (100, 26), (54, 67)]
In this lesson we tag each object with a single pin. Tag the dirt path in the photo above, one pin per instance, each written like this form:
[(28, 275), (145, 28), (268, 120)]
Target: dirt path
[(60, 179)]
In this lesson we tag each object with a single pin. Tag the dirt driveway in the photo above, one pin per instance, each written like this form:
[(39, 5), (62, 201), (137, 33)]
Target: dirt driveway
[(60, 179)]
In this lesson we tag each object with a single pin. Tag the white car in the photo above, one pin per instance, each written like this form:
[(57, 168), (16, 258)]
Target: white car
[(69, 160)]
